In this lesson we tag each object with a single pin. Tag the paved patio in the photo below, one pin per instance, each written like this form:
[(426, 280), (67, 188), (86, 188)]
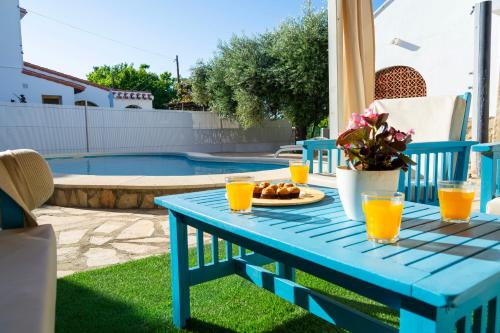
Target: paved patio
[(91, 238)]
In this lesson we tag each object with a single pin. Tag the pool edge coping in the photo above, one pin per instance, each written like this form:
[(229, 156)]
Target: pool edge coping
[(138, 182)]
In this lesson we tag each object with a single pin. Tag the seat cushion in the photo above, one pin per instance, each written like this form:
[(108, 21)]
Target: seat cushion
[(493, 206), (28, 279), (434, 118)]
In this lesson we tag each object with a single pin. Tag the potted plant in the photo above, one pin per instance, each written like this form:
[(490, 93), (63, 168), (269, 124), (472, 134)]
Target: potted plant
[(375, 156)]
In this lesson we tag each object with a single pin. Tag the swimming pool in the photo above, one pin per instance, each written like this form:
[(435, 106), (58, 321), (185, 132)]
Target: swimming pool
[(153, 165)]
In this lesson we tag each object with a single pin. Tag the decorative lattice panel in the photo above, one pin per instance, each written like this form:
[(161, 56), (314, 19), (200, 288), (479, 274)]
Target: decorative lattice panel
[(399, 82)]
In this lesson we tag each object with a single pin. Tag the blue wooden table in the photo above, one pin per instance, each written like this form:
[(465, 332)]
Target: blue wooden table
[(440, 277)]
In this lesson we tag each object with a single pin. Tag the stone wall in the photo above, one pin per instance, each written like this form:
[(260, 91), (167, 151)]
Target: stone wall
[(110, 198)]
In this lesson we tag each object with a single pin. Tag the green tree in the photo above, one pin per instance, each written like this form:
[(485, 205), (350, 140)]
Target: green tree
[(183, 91), (281, 73), (199, 76), (300, 47), (125, 76)]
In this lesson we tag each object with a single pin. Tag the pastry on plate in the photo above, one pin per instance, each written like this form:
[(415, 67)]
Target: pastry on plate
[(257, 191), (294, 192), (268, 193), (283, 193), (264, 184), (274, 187)]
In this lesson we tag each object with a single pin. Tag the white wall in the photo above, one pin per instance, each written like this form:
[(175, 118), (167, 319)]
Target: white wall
[(10, 36), (36, 87), (93, 94), (11, 58), (123, 103), (495, 59), (61, 129), (443, 32)]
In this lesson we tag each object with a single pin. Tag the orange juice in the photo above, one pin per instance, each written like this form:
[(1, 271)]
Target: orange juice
[(383, 219), (455, 203), (239, 195), (299, 173)]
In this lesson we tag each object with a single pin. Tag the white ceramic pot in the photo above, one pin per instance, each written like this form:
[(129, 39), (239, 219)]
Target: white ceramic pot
[(351, 183)]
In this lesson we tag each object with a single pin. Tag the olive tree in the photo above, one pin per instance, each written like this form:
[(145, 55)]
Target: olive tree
[(281, 73)]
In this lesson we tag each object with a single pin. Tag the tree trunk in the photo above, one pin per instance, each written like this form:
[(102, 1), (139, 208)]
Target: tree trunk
[(300, 133)]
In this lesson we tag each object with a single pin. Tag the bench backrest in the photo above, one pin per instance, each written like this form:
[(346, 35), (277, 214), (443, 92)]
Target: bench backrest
[(446, 160)]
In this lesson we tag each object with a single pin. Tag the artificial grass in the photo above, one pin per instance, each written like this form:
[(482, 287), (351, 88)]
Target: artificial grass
[(136, 297)]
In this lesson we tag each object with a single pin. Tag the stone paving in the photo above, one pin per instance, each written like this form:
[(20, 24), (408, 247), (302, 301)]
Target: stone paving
[(89, 238)]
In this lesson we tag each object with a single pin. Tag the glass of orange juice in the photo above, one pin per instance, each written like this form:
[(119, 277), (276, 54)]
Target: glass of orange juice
[(239, 191), (299, 171), (383, 211), (455, 200)]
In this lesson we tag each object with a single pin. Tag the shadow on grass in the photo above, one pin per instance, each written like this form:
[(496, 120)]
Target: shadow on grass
[(135, 297), (196, 325), (306, 323), (80, 309)]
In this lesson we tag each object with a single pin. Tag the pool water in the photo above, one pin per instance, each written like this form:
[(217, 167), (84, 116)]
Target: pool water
[(150, 165)]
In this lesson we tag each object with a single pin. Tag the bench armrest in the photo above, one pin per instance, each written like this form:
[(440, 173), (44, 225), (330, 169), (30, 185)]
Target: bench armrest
[(487, 147)]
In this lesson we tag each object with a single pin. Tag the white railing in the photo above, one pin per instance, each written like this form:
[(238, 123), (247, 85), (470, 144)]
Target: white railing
[(55, 129)]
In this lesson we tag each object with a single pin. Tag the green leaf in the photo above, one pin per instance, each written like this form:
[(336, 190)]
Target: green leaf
[(407, 159), (353, 136)]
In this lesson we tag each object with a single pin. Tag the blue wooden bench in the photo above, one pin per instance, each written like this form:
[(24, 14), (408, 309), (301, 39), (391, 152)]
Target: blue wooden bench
[(440, 277), (444, 160), (490, 172)]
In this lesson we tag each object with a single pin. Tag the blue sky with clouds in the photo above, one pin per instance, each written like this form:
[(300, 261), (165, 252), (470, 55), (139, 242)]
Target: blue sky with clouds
[(158, 29)]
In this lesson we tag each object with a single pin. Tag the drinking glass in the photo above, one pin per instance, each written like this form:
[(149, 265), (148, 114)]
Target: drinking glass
[(383, 211), (239, 193), (455, 200), (299, 171)]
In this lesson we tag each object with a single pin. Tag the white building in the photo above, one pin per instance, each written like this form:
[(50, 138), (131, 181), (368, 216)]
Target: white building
[(436, 38), (30, 83), (132, 99)]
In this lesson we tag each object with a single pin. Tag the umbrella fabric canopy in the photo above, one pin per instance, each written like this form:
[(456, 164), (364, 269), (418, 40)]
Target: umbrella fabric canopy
[(354, 62)]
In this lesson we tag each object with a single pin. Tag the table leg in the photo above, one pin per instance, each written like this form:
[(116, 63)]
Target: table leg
[(180, 269), (413, 322), (285, 271)]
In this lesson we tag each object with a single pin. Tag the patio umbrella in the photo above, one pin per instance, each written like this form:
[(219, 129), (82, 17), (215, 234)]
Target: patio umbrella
[(351, 59)]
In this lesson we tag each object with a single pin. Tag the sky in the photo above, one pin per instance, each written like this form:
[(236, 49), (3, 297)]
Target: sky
[(149, 31)]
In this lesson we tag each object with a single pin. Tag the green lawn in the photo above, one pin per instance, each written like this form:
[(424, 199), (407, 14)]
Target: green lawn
[(135, 297)]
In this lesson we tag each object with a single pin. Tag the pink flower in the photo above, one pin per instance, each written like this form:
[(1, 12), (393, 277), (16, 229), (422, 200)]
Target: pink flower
[(370, 112), (356, 121), (411, 131), (399, 136), (347, 146)]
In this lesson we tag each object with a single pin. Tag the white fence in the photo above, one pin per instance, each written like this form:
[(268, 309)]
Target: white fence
[(56, 129)]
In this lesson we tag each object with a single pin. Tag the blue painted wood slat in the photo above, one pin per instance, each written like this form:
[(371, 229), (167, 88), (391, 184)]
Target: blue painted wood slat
[(180, 269)]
